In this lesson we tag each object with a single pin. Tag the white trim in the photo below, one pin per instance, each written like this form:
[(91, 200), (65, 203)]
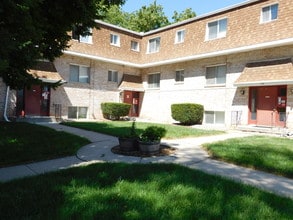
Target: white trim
[(264, 83), (283, 42)]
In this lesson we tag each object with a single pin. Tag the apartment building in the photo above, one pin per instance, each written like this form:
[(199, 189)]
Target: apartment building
[(236, 62)]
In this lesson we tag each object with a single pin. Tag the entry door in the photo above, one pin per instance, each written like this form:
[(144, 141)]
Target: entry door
[(37, 101), (267, 106), (132, 98)]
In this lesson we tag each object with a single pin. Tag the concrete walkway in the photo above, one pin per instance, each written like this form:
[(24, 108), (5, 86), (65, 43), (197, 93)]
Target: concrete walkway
[(189, 153)]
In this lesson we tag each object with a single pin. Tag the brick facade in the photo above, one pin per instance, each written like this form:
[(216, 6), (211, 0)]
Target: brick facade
[(247, 39)]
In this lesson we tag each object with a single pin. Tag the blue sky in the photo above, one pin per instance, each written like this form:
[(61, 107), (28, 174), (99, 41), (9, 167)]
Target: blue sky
[(200, 7)]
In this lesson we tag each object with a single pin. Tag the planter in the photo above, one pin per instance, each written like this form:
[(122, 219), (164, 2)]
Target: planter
[(127, 144), (149, 148)]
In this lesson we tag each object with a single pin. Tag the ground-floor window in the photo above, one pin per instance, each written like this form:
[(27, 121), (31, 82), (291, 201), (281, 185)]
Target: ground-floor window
[(214, 117), (77, 112)]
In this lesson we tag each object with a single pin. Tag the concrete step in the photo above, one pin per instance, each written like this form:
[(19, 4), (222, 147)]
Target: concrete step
[(265, 129), (37, 119)]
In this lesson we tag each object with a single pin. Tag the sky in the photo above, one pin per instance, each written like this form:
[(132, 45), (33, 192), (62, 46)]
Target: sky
[(200, 7)]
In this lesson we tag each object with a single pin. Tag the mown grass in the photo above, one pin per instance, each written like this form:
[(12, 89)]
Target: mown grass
[(121, 128), (270, 154), (137, 191), (24, 142)]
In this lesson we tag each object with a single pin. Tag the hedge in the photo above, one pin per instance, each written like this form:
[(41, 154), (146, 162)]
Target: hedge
[(114, 110), (187, 113)]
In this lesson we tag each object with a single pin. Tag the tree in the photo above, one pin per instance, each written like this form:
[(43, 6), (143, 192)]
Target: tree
[(148, 18), (186, 14), (31, 30)]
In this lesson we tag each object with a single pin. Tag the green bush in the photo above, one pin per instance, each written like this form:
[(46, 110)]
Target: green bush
[(152, 134), (187, 113), (114, 110)]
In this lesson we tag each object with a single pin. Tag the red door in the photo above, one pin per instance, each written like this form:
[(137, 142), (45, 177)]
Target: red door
[(132, 98), (268, 106), (37, 101)]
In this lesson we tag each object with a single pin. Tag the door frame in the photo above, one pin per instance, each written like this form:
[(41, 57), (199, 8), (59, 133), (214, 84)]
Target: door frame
[(132, 98)]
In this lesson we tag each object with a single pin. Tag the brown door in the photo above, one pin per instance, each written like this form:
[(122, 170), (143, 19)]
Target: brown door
[(132, 98), (37, 101)]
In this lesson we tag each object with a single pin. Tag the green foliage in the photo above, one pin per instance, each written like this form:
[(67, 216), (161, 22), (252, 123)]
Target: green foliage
[(114, 110), (265, 153), (188, 13), (137, 191), (187, 113), (153, 134), (24, 142), (34, 30)]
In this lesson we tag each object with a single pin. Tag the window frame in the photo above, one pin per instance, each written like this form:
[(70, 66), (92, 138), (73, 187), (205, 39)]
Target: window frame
[(77, 112), (215, 119), (113, 76), (157, 45), (71, 78), (179, 79), (88, 39), (270, 19), (177, 39), (137, 46), (219, 33), (152, 80), (115, 39), (216, 76)]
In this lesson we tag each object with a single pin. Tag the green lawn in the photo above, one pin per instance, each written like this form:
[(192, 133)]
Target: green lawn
[(120, 128), (265, 153), (24, 142), (137, 191)]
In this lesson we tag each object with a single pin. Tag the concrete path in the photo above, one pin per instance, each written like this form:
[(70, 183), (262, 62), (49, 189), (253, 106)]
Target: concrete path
[(189, 153)]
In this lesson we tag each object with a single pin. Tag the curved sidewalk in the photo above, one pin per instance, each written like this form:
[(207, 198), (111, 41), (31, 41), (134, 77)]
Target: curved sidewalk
[(189, 153)]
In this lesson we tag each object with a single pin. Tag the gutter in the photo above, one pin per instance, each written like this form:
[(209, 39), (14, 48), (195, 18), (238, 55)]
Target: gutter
[(5, 106)]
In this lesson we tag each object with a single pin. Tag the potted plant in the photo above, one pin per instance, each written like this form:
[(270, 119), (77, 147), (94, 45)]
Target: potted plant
[(128, 142), (150, 140)]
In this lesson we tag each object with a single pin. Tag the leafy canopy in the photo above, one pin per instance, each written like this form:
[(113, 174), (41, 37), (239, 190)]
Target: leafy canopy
[(31, 30)]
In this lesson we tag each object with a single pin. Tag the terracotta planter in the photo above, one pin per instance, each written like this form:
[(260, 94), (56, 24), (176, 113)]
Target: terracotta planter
[(149, 148), (128, 144)]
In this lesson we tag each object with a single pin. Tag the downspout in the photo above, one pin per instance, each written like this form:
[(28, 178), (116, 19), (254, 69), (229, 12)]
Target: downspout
[(5, 106)]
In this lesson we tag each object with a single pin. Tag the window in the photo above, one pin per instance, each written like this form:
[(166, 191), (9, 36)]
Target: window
[(217, 29), (115, 40), (84, 39), (214, 117), (154, 80), (76, 112), (79, 74), (134, 46), (154, 45), (113, 76), (269, 13), (180, 36), (179, 77), (216, 75)]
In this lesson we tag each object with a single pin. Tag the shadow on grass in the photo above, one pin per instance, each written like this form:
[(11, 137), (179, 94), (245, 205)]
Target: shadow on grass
[(124, 191)]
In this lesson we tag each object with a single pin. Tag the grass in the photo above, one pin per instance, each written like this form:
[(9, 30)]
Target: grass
[(137, 191), (265, 153), (121, 128), (24, 142)]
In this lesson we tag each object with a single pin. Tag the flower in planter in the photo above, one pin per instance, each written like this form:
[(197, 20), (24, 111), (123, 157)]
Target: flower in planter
[(152, 134)]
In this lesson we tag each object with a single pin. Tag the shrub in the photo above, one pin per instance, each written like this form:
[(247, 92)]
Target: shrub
[(187, 113), (153, 134), (113, 110)]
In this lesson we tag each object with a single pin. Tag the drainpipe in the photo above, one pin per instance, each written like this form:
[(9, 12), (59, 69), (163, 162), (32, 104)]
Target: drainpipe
[(5, 106)]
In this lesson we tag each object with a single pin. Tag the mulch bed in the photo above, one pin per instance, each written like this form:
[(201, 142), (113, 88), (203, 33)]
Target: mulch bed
[(164, 151)]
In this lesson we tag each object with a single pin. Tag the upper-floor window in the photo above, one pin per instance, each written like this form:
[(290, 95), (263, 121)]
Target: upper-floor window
[(115, 40), (269, 13), (154, 80), (84, 39), (179, 38), (79, 73), (154, 45), (216, 75), (113, 76), (216, 29), (134, 45), (179, 76)]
